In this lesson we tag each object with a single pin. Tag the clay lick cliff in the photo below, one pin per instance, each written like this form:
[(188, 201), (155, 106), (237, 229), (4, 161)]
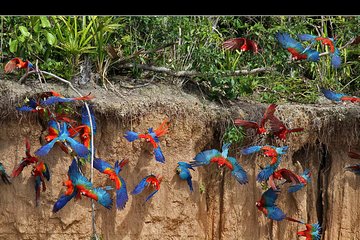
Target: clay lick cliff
[(219, 207)]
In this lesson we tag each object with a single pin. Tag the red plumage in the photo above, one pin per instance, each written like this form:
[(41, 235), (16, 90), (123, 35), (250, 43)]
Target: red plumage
[(242, 44)]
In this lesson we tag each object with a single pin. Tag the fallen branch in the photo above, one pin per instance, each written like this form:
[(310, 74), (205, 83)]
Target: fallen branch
[(192, 73)]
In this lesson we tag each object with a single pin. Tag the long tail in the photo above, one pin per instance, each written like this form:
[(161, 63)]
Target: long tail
[(294, 220), (296, 130)]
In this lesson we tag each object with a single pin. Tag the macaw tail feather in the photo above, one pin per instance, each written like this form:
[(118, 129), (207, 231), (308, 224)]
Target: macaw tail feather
[(296, 130), (62, 201), (295, 188), (16, 172), (250, 150), (79, 148), (5, 178), (159, 155), (26, 109), (37, 190), (45, 149), (103, 197), (294, 220), (121, 195), (276, 214), (131, 136), (150, 196), (189, 182)]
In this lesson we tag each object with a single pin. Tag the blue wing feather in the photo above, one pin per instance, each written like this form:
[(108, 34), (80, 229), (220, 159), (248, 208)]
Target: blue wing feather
[(62, 201), (121, 195), (85, 117), (306, 37), (159, 155), (238, 172), (269, 197), (47, 172), (140, 187), (203, 158), (287, 42), (250, 150), (332, 95), (276, 213), (151, 195), (101, 165), (336, 59), (45, 149), (131, 136), (295, 188), (79, 148), (103, 197), (55, 99)]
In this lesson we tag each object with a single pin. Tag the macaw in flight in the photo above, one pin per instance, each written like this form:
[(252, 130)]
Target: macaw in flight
[(40, 172), (4, 176), (113, 173), (330, 42), (338, 97), (267, 206), (183, 171), (18, 63), (60, 99), (278, 128), (25, 161), (222, 159), (297, 51), (78, 185), (149, 180), (242, 44), (152, 137), (62, 136), (312, 232), (298, 181), (260, 129), (270, 151), (356, 167)]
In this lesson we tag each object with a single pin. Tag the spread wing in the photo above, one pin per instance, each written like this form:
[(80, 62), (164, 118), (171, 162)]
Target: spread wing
[(233, 43)]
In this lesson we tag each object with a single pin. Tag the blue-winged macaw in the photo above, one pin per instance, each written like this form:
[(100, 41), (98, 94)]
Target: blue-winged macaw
[(4, 176), (334, 51), (298, 181), (40, 172), (149, 180), (63, 136), (270, 151), (297, 51), (113, 173), (355, 168), (152, 137), (60, 99), (221, 158), (312, 232), (183, 171), (78, 185), (25, 161), (338, 97), (267, 205)]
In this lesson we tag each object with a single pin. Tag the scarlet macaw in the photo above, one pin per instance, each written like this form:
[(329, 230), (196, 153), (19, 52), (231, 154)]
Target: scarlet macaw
[(77, 185), (278, 128), (298, 181), (113, 172), (4, 176), (242, 44), (183, 171), (149, 180), (222, 159), (152, 137), (338, 97), (40, 172), (312, 232), (297, 51), (25, 161), (260, 129), (17, 63)]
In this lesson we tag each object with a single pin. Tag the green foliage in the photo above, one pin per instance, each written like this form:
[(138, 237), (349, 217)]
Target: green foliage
[(202, 188), (234, 134)]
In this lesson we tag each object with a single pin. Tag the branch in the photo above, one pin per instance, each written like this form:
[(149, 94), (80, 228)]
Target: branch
[(185, 73)]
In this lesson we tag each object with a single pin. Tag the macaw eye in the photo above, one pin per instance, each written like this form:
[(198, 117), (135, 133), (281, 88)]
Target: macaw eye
[(178, 170)]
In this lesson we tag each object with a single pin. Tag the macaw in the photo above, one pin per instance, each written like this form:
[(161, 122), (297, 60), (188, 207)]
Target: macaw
[(63, 136), (149, 180), (334, 52), (78, 185), (270, 151), (60, 99), (278, 128), (267, 205), (17, 63), (113, 172), (260, 129), (4, 176), (152, 137), (356, 167), (338, 97), (243, 44), (25, 161), (312, 232), (40, 172), (222, 159), (298, 181), (297, 51), (183, 171)]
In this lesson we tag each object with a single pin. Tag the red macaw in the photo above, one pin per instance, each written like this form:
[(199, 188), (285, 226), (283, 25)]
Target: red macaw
[(40, 172), (17, 63), (152, 137), (338, 97), (298, 181), (312, 232), (260, 129), (25, 161), (243, 44), (113, 173), (278, 128), (150, 180)]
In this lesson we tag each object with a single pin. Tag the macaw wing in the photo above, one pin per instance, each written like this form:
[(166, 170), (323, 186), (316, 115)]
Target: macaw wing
[(46, 172), (85, 117), (275, 213), (62, 201), (250, 150), (81, 182), (140, 187), (276, 125), (295, 188), (253, 45), (119, 165), (289, 175), (204, 158), (55, 99), (25, 109), (233, 43), (312, 55), (186, 165), (333, 96), (37, 189), (336, 59), (268, 113), (287, 42), (354, 168), (189, 182), (103, 197), (45, 149), (73, 171), (269, 197), (238, 172), (18, 169), (101, 165), (162, 129), (79, 148), (151, 195), (121, 195), (131, 136), (159, 155), (265, 173), (10, 66), (246, 124), (354, 155), (306, 37)]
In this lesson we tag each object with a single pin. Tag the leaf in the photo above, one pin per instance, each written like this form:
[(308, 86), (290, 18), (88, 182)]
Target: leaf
[(50, 38), (24, 31), (45, 22), (13, 45)]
